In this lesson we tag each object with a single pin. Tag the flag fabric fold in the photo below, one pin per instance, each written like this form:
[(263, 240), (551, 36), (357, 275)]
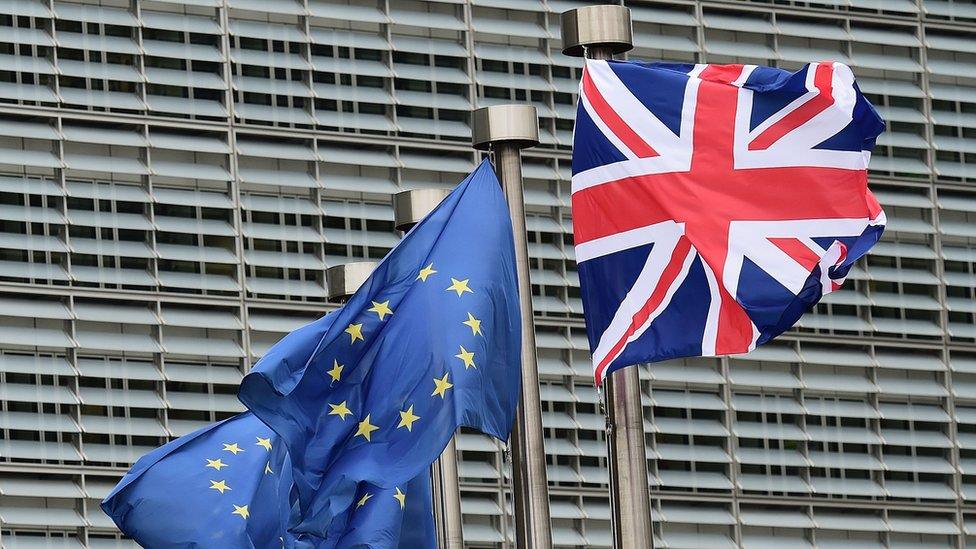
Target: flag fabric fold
[(228, 485), (225, 485), (713, 205), (430, 342)]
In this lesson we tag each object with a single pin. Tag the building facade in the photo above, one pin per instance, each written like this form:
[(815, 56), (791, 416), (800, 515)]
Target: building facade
[(176, 176)]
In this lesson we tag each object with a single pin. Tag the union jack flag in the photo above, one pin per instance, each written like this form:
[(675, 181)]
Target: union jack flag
[(714, 204)]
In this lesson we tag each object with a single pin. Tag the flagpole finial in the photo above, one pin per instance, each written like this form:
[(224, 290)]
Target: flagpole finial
[(599, 33), (504, 130), (514, 123), (343, 280), (409, 207), (604, 26)]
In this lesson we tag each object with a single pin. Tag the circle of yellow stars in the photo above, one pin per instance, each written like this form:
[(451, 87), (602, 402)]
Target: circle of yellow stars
[(365, 427), (221, 485), (382, 309)]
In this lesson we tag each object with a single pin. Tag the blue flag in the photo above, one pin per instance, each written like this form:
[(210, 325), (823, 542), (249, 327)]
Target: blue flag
[(430, 342), (228, 486), (225, 485)]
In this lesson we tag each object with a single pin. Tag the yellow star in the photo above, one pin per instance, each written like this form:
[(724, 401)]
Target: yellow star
[(355, 332), (336, 372), (425, 272), (474, 324), (459, 286), (362, 501), (267, 469), (407, 417), (340, 410), (233, 448), (215, 463), (467, 358), (381, 309), (264, 443), (401, 497), (242, 511), (365, 428), (441, 386), (219, 486)]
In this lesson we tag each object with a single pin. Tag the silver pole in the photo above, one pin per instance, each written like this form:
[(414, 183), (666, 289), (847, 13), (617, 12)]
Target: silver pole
[(409, 207), (599, 32), (505, 129), (447, 498), (343, 280)]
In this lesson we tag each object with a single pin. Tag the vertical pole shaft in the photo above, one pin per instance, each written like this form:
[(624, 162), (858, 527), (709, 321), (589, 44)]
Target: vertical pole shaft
[(447, 498), (629, 495), (630, 500), (530, 488)]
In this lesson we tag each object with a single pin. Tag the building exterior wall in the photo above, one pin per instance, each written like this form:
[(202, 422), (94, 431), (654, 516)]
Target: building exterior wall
[(175, 177)]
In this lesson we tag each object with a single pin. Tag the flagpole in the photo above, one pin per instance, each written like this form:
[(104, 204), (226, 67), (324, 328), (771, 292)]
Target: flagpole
[(343, 280), (409, 207), (599, 32), (505, 130)]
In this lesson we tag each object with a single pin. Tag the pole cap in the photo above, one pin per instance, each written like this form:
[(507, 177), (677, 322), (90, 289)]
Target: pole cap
[(409, 207), (343, 280), (606, 25), (514, 123)]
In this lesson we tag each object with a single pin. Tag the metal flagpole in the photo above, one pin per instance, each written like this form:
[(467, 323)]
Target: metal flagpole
[(409, 207), (504, 130), (343, 280), (599, 32)]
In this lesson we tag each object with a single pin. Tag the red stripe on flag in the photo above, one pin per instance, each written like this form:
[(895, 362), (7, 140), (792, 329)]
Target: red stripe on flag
[(800, 252), (668, 277), (823, 81), (734, 327), (874, 208), (722, 74), (613, 121)]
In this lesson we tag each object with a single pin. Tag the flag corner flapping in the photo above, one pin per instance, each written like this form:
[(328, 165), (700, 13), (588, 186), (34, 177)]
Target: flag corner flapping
[(224, 485)]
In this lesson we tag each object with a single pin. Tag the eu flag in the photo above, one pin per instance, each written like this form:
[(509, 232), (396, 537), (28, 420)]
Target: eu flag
[(225, 485), (430, 342), (228, 486)]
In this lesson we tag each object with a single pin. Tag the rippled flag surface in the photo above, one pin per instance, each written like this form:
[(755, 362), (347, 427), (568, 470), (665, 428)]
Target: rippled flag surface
[(430, 342), (228, 485), (713, 205)]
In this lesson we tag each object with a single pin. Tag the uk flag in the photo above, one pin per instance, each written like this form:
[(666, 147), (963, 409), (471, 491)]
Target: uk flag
[(713, 205)]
